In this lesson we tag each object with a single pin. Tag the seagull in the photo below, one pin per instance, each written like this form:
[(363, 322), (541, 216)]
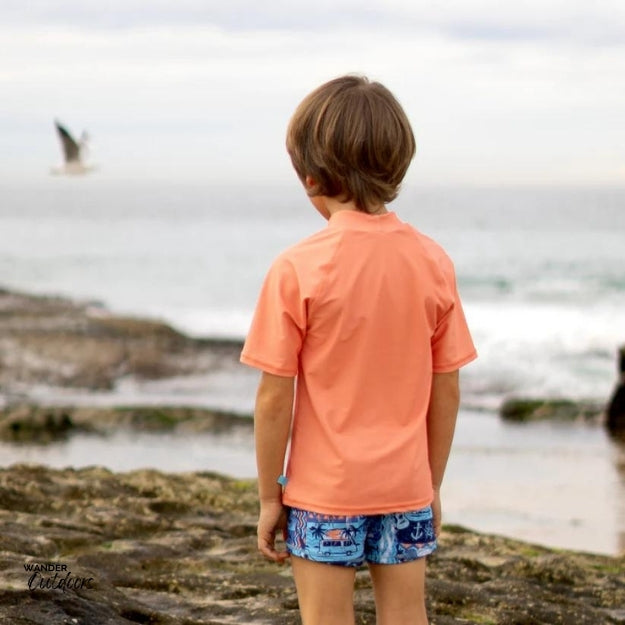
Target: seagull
[(73, 151)]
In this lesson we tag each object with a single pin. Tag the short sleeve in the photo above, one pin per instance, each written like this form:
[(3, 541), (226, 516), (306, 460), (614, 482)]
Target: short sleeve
[(452, 345), (278, 326)]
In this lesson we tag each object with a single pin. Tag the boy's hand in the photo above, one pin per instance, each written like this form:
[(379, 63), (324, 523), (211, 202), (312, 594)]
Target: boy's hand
[(437, 512), (272, 518)]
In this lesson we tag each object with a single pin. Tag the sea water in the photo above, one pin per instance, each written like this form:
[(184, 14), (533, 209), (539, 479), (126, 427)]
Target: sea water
[(541, 272)]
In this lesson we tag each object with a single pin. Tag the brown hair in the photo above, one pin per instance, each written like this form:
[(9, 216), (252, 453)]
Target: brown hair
[(353, 139)]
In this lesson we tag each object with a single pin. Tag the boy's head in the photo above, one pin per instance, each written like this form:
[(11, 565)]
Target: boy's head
[(352, 139)]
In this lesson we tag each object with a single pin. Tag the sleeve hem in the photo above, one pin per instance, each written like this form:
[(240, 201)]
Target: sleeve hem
[(267, 367), (446, 368)]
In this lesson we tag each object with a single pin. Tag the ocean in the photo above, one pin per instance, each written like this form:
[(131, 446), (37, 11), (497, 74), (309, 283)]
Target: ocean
[(541, 272)]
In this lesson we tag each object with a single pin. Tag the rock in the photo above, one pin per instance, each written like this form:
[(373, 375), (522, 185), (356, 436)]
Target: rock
[(615, 421), (58, 342), (27, 423), (524, 409), (44, 424), (148, 547)]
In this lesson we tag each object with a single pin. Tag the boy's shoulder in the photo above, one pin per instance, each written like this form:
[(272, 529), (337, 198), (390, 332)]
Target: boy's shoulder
[(426, 248), (305, 260), (320, 242)]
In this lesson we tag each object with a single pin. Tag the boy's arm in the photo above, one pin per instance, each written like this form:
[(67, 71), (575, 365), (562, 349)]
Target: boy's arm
[(441, 423), (272, 422)]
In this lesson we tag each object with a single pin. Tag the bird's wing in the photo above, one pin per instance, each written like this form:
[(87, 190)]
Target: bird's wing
[(70, 148)]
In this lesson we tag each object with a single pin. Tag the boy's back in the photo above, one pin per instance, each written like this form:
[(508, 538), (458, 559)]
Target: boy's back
[(363, 313)]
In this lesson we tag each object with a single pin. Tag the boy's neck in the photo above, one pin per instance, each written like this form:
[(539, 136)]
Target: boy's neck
[(328, 206)]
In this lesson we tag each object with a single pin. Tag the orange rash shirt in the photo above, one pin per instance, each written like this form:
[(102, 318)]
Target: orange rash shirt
[(362, 312)]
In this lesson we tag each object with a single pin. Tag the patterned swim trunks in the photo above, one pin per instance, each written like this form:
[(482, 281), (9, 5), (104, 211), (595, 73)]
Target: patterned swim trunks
[(354, 540)]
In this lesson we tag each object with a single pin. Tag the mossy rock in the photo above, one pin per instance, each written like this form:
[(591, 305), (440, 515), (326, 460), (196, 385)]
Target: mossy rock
[(181, 548), (34, 424), (524, 409)]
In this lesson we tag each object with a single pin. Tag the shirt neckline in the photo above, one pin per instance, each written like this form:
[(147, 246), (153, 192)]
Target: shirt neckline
[(355, 219)]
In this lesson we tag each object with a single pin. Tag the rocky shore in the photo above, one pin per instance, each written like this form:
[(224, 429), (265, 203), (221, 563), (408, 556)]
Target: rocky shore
[(91, 547)]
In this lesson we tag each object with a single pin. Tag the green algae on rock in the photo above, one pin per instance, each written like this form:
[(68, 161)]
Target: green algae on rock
[(44, 424), (180, 549), (526, 409)]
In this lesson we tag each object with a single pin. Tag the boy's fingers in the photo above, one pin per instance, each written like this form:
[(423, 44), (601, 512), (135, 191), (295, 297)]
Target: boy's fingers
[(268, 552), (266, 547), (272, 554)]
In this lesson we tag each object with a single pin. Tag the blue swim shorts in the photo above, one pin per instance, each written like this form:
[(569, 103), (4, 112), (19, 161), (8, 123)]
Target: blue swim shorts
[(354, 540)]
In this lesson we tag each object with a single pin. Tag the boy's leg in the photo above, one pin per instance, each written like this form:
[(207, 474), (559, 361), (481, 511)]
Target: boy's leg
[(399, 593), (396, 546), (325, 592)]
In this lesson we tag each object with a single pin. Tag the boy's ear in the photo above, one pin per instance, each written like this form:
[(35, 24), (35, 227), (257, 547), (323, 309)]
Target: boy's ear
[(309, 182)]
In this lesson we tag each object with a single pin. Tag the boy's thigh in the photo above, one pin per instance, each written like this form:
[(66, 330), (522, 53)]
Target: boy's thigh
[(324, 592), (399, 592), (325, 553), (396, 548)]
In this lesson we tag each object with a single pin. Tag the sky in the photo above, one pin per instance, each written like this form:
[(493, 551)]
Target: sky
[(497, 92)]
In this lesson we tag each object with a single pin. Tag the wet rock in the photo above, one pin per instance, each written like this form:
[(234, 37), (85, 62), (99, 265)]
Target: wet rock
[(615, 421), (58, 342), (525, 409), (25, 423), (44, 424), (180, 550)]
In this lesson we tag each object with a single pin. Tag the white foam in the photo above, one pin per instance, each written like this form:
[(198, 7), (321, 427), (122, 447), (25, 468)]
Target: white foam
[(540, 349)]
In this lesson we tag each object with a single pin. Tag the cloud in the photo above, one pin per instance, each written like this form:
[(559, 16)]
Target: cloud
[(495, 92), (601, 22)]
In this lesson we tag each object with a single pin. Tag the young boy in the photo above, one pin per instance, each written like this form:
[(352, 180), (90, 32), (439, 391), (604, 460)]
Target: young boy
[(359, 334)]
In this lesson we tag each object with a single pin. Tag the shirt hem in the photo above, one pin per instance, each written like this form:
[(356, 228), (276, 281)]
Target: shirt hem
[(358, 511), (455, 365), (267, 367)]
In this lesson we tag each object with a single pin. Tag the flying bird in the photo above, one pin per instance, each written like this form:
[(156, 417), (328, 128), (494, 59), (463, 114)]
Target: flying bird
[(73, 152)]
